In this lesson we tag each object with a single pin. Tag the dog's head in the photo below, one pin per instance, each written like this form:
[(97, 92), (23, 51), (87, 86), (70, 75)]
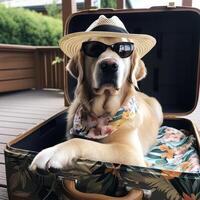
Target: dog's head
[(107, 71)]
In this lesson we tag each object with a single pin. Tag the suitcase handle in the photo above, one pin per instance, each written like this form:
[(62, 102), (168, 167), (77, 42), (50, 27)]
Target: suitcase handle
[(71, 192)]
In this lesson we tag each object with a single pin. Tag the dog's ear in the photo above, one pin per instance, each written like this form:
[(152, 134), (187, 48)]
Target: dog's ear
[(141, 71), (75, 66), (138, 70)]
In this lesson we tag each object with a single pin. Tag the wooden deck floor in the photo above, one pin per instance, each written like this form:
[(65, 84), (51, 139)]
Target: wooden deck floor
[(20, 111)]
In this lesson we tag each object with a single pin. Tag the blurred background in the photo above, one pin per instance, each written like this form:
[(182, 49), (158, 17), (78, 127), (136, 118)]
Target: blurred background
[(39, 22)]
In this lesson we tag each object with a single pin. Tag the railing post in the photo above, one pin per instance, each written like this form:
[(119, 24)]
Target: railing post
[(88, 4), (187, 3), (38, 70), (68, 7), (120, 4)]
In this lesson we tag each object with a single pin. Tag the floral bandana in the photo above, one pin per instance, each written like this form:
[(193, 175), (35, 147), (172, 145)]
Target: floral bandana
[(90, 126)]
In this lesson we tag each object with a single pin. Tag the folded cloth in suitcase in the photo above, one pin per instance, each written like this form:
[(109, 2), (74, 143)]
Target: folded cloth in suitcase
[(174, 151)]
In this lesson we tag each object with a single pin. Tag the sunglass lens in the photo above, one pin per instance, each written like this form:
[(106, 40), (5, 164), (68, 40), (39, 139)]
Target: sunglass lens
[(93, 48), (123, 49)]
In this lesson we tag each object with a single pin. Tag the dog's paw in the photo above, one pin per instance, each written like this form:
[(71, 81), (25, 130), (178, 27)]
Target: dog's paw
[(51, 159)]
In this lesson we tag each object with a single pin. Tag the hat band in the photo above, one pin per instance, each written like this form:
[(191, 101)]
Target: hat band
[(109, 28)]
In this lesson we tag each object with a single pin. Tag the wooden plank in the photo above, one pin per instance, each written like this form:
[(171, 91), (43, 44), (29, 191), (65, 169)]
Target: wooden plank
[(16, 85), (2, 147), (16, 125), (20, 120), (17, 74), (50, 58), (61, 72), (2, 160), (42, 71), (39, 96), (23, 115), (48, 66), (2, 175), (54, 54), (16, 60), (120, 4), (45, 71), (6, 138), (39, 58), (10, 131), (20, 48), (29, 108), (187, 3), (27, 101), (38, 102), (35, 112), (3, 193), (88, 4), (22, 102)]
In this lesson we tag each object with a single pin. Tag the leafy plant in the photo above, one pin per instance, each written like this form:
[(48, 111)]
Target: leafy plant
[(57, 60), (108, 4), (21, 26), (53, 10)]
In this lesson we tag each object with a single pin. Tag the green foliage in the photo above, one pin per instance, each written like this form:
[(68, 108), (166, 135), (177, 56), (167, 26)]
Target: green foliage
[(21, 26), (57, 60), (53, 10), (108, 4)]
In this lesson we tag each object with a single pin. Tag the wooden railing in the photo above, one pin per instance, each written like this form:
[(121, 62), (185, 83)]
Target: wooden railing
[(50, 74), (24, 67)]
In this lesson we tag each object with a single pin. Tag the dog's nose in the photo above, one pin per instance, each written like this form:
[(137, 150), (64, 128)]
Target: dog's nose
[(109, 66)]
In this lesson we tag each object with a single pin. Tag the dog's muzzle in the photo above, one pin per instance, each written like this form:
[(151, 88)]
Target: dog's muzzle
[(108, 72)]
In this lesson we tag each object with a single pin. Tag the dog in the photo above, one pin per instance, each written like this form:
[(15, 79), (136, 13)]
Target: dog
[(106, 83)]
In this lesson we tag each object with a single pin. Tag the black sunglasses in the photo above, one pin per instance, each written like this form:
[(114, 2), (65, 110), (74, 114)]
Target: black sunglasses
[(95, 48)]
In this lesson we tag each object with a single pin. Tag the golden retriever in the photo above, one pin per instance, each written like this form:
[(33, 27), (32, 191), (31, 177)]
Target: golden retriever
[(132, 140)]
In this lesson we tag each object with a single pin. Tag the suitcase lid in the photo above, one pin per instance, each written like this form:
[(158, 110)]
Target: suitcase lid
[(172, 65)]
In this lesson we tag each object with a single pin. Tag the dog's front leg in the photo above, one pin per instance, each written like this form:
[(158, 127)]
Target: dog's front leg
[(62, 155)]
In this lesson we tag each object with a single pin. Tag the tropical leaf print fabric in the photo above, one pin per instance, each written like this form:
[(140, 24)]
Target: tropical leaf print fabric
[(172, 173)]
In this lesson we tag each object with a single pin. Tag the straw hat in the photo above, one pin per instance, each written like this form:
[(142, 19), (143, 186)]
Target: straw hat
[(70, 44)]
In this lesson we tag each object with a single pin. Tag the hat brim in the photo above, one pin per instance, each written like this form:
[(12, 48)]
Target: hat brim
[(70, 44)]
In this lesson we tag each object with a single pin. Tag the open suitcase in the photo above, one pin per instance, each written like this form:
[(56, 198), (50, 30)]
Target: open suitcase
[(173, 78)]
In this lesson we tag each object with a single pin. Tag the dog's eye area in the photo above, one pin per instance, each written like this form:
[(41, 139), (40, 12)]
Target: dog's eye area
[(95, 48)]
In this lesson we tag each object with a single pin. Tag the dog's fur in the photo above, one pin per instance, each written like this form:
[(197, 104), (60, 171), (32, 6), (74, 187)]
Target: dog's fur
[(132, 140)]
